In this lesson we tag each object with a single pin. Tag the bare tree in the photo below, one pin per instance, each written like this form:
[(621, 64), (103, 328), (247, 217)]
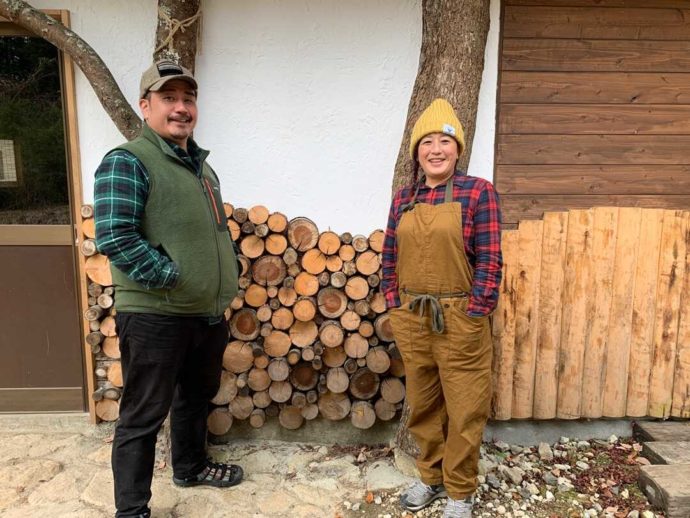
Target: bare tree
[(176, 37), (450, 66)]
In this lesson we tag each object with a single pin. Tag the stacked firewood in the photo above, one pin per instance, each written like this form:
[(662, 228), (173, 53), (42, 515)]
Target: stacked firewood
[(99, 319), (309, 334)]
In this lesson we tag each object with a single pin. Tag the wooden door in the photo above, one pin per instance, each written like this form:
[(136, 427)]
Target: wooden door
[(41, 364)]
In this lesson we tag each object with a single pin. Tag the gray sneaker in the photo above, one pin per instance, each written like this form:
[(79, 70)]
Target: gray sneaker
[(420, 495), (459, 508)]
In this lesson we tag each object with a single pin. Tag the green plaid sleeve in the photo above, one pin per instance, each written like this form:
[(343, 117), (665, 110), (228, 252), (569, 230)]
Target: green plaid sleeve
[(120, 193)]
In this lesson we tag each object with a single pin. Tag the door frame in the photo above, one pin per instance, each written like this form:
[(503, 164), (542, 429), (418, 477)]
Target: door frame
[(76, 199)]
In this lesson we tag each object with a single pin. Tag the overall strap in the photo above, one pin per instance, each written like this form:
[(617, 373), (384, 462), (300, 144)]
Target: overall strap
[(449, 189)]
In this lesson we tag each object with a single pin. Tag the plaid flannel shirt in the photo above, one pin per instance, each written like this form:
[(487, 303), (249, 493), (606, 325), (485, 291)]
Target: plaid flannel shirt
[(481, 226), (120, 192)]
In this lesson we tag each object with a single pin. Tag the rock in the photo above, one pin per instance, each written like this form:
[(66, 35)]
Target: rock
[(516, 450), (564, 440), (502, 446), (493, 481), (485, 466), (625, 494), (634, 514), (356, 506), (583, 445), (532, 488), (378, 500), (647, 514), (545, 452), (514, 474), (501, 509), (548, 496), (564, 484), (612, 439), (382, 475), (582, 465), (550, 479)]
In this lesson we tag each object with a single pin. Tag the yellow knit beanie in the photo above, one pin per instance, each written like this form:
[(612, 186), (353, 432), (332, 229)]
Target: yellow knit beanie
[(439, 117)]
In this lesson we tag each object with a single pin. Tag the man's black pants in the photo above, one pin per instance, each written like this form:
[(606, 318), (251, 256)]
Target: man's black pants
[(169, 363)]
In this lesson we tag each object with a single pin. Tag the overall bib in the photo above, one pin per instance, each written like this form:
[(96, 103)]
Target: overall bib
[(447, 354)]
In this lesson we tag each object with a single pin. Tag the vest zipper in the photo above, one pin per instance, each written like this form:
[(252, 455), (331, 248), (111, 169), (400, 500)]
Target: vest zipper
[(211, 200)]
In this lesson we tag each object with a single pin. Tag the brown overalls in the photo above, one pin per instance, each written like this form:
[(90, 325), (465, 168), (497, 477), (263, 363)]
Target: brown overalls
[(448, 373)]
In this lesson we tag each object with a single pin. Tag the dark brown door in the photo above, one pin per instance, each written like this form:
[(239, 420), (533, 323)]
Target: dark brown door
[(40, 354)]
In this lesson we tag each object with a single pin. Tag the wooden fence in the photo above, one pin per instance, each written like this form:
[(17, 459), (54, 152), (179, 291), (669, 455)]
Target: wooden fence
[(594, 316)]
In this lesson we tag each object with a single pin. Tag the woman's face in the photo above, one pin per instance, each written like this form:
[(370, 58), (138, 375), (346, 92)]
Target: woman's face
[(437, 154)]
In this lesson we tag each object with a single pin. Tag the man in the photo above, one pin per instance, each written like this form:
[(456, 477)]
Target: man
[(160, 220)]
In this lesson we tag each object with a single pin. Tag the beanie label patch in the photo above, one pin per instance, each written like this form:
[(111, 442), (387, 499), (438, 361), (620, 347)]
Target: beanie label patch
[(449, 130)]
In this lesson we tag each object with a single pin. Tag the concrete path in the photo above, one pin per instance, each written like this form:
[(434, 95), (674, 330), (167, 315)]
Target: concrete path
[(59, 466)]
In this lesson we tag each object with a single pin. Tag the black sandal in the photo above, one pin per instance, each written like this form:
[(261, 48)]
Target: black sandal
[(214, 474)]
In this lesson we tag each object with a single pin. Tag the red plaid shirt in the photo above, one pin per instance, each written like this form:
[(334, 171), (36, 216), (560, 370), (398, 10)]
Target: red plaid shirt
[(481, 226)]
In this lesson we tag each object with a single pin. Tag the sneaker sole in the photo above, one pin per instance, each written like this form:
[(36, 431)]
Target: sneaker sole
[(415, 508)]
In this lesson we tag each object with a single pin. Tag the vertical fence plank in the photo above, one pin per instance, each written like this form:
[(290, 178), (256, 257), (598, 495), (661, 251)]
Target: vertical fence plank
[(526, 316), (669, 286), (603, 258), (620, 320), (681, 379), (574, 321), (503, 329), (644, 307), (550, 303)]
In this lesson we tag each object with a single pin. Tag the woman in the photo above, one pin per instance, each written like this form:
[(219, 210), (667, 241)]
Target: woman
[(441, 273)]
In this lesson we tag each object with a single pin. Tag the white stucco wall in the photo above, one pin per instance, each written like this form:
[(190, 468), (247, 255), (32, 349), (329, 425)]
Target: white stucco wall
[(302, 102)]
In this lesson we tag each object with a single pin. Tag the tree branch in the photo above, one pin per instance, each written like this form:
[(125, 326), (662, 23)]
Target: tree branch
[(86, 58)]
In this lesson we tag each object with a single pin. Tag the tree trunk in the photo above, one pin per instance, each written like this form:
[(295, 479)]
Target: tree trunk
[(90, 63), (450, 66), (177, 31)]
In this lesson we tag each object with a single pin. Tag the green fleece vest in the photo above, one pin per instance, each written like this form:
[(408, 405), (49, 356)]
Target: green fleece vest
[(185, 220)]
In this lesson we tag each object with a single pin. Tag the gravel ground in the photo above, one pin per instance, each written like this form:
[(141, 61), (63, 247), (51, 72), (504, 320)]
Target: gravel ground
[(571, 478)]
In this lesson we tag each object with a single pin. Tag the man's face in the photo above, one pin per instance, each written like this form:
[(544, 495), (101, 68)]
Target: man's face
[(171, 111)]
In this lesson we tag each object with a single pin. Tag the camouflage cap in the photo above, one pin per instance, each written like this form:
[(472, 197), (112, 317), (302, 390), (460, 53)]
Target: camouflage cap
[(160, 73)]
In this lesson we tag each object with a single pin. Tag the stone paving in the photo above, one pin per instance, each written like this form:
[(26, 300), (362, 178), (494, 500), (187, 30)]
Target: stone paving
[(50, 471)]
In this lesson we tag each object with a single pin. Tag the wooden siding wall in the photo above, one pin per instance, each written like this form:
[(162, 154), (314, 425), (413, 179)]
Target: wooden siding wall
[(594, 316), (594, 105)]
